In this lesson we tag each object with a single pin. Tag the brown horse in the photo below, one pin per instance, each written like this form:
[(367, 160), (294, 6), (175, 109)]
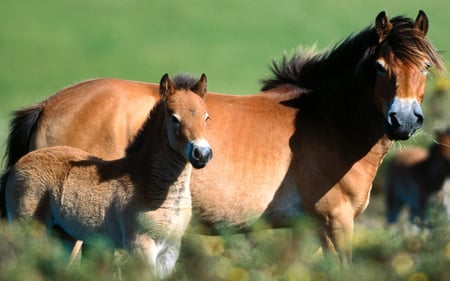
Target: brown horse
[(141, 202), (311, 142), (414, 175)]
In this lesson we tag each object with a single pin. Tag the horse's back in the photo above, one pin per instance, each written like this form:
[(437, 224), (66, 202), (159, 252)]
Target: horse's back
[(112, 109)]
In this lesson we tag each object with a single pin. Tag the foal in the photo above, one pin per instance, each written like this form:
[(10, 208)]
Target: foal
[(141, 202), (414, 175)]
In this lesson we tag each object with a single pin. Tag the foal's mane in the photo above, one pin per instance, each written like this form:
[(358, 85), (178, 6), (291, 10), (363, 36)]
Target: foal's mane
[(312, 70), (181, 81), (185, 81)]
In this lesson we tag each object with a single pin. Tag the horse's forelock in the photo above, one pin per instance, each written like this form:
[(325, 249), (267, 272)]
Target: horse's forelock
[(407, 45)]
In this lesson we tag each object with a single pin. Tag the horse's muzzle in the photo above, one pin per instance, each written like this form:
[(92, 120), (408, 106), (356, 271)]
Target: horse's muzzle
[(199, 153), (404, 117)]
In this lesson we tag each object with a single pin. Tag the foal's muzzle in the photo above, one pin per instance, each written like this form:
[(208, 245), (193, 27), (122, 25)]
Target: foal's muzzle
[(199, 153), (404, 117)]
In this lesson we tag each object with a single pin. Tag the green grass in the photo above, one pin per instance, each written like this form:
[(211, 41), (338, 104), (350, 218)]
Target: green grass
[(46, 45), (397, 253)]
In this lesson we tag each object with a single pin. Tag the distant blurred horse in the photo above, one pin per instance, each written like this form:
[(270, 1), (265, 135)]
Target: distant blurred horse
[(414, 175)]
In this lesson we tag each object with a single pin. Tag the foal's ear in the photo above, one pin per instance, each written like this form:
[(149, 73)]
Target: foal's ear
[(201, 87), (383, 26), (421, 22), (166, 86)]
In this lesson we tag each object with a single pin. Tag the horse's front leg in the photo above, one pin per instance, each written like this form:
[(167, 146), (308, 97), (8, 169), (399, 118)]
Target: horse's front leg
[(337, 233)]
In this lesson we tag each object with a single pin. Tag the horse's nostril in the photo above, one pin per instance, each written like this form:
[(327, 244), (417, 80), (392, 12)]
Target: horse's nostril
[(419, 119), (394, 121)]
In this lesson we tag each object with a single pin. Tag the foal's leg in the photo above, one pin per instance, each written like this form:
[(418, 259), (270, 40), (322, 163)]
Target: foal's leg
[(144, 248), (167, 257)]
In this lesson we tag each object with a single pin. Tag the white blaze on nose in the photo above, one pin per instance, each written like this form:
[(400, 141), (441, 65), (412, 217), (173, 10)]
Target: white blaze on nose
[(201, 143)]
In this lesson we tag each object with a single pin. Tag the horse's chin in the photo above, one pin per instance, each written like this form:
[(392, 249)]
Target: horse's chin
[(398, 135)]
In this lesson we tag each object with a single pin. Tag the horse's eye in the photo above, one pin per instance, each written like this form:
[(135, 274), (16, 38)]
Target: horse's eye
[(427, 66), (207, 118), (381, 68)]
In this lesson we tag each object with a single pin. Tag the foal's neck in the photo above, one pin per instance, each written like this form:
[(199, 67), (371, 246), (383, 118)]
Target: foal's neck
[(162, 174)]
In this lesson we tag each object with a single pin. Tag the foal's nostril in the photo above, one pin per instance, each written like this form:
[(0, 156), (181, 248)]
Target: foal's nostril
[(196, 153), (200, 153), (200, 156)]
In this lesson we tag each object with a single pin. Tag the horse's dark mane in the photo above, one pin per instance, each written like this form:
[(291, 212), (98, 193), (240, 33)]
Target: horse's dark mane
[(181, 81), (314, 70)]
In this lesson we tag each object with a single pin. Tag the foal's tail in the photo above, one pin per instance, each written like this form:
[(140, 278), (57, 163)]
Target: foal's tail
[(21, 128)]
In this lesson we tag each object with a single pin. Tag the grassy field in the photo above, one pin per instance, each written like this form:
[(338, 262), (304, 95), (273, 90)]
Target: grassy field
[(47, 45)]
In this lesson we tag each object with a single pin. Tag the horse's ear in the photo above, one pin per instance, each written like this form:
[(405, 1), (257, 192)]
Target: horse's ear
[(166, 86), (201, 87), (383, 26), (421, 22)]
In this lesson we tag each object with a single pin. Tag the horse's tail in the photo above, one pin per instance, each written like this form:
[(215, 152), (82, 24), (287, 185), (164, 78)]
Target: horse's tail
[(21, 128), (3, 180)]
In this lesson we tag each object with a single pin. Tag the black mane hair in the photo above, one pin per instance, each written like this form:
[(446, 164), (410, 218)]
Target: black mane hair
[(318, 70)]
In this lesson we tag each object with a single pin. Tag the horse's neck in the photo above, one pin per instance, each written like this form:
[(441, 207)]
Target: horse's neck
[(339, 67)]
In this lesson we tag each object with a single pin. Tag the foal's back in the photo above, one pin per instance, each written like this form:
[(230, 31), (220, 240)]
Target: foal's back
[(61, 177)]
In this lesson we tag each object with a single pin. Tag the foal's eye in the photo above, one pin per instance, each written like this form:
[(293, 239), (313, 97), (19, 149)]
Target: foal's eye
[(174, 119), (381, 68), (207, 118)]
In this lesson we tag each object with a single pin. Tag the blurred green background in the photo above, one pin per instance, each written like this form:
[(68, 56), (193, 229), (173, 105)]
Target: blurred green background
[(47, 45)]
